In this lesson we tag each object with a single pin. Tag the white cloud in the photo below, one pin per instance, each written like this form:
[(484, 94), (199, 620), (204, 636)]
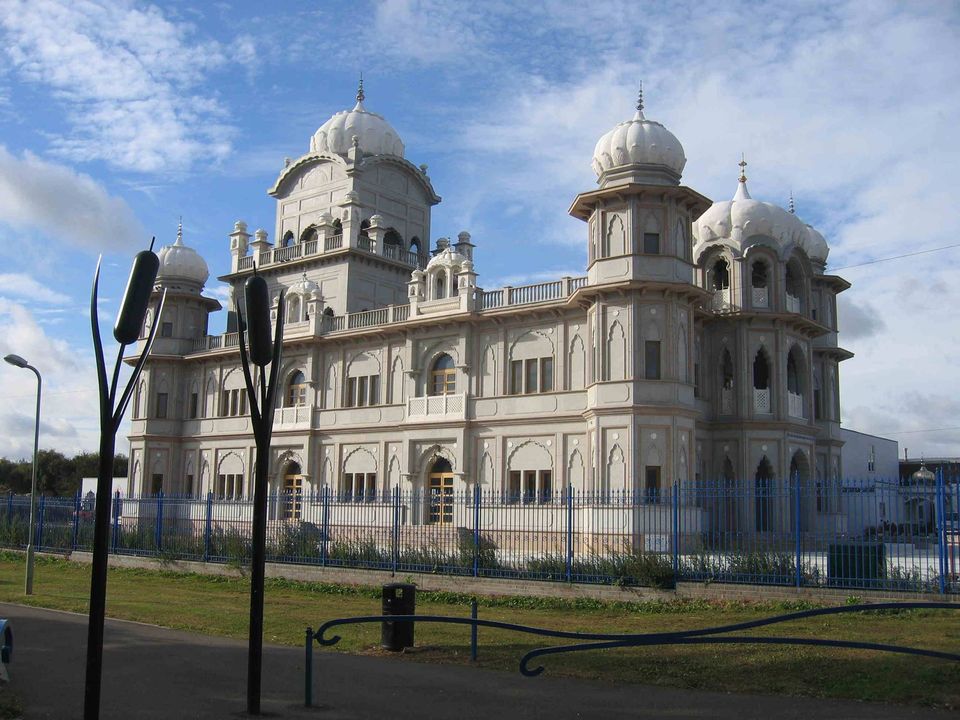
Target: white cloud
[(24, 286), (69, 392), (63, 204), (128, 77)]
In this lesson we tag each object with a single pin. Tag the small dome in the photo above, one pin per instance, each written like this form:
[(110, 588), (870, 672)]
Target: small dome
[(923, 476), (447, 258), (305, 287), (639, 141), (181, 263), (743, 217), (374, 134)]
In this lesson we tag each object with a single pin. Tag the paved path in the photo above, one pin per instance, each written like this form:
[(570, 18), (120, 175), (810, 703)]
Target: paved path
[(152, 672)]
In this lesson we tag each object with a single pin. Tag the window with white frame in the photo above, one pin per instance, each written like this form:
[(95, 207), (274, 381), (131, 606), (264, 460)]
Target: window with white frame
[(361, 387), (233, 403), (229, 486), (297, 390)]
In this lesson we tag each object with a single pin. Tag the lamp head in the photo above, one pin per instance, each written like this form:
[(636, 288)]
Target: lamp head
[(16, 360)]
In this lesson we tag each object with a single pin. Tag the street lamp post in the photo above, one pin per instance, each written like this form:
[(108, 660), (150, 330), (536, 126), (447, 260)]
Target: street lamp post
[(21, 363)]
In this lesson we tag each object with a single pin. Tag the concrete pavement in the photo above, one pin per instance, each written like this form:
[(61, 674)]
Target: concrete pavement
[(152, 672)]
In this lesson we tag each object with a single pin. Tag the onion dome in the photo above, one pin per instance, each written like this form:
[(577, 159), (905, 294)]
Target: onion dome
[(374, 134), (736, 221), (447, 258), (640, 144), (181, 265)]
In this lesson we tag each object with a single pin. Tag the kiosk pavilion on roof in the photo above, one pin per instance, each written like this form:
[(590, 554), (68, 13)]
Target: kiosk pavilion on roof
[(699, 346)]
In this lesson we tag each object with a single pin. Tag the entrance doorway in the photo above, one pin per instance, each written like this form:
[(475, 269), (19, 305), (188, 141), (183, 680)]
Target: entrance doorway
[(292, 492), (440, 483)]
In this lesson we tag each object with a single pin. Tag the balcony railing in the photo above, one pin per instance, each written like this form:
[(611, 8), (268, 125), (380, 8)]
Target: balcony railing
[(436, 407), (334, 242), (795, 405), (526, 294), (761, 400), (793, 304), (294, 415), (721, 300), (760, 298)]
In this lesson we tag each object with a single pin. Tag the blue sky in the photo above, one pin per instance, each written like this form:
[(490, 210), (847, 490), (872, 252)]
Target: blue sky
[(118, 117)]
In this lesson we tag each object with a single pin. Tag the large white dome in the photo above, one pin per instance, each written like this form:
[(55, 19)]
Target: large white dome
[(181, 263), (639, 141), (742, 218), (374, 134)]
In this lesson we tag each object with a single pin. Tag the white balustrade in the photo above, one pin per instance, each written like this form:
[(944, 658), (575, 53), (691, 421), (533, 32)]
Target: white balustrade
[(245, 263), (721, 300), (294, 415), (310, 247), (334, 242), (795, 403), (761, 297), (285, 254), (793, 304)]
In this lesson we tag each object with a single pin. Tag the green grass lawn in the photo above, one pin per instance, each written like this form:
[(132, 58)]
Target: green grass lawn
[(220, 606)]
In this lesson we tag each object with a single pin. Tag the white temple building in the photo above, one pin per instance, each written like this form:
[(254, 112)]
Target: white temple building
[(700, 345)]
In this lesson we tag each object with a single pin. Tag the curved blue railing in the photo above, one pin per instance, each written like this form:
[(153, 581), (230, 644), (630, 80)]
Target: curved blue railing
[(703, 636)]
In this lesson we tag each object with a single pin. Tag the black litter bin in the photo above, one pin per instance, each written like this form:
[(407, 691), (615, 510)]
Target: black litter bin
[(398, 599)]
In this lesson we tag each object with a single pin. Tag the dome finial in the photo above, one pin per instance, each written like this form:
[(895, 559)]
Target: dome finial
[(639, 115), (360, 95), (792, 207), (742, 192), (179, 240)]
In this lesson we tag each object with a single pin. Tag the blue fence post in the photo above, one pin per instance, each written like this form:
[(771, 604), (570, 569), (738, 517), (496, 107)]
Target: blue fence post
[(40, 513), (395, 535), (476, 530), (158, 531), (324, 524), (308, 669), (116, 522), (797, 523), (676, 529), (208, 528), (76, 520), (569, 563), (942, 531)]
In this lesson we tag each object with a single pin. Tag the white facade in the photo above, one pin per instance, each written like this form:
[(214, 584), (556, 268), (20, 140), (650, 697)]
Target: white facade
[(699, 346)]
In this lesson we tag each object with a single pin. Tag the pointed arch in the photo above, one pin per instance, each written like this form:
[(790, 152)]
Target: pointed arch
[(727, 381), (330, 388), (487, 479), (488, 373), (616, 352), (575, 472), (763, 496), (577, 364), (396, 381), (614, 240), (682, 351), (762, 369), (615, 476)]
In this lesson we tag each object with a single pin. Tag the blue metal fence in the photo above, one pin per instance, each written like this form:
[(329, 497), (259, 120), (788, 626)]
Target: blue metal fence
[(852, 534)]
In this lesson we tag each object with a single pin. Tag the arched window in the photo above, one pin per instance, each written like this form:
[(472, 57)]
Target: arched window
[(364, 228), (309, 234), (761, 382), (328, 311), (759, 284), (415, 245), (795, 384), (293, 309), (337, 227), (288, 239), (793, 284), (763, 495), (297, 390), (721, 275), (440, 286), (443, 376), (392, 237)]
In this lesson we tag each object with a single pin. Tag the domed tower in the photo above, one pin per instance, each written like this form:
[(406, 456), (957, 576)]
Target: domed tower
[(352, 213), (769, 385), (160, 406), (642, 300)]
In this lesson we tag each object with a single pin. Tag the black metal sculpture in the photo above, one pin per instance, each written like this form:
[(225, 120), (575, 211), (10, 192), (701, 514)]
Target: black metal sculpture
[(262, 352), (126, 330)]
